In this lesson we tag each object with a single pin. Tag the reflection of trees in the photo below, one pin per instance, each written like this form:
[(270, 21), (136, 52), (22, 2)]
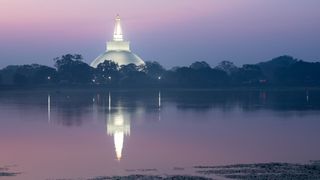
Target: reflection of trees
[(24, 101), (147, 101), (244, 99), (70, 107), (294, 100), (205, 100)]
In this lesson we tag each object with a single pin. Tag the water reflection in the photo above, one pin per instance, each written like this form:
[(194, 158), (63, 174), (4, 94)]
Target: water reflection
[(159, 100), (118, 126), (159, 105), (118, 108), (109, 101), (49, 108), (70, 107), (118, 123), (198, 127), (75, 104)]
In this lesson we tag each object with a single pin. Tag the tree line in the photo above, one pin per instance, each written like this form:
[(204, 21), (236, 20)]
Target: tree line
[(70, 70)]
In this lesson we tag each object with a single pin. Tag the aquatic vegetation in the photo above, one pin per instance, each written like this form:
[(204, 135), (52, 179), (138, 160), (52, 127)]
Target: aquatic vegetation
[(5, 171), (149, 177), (264, 171)]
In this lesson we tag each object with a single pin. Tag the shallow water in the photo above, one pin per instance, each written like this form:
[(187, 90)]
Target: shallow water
[(72, 134)]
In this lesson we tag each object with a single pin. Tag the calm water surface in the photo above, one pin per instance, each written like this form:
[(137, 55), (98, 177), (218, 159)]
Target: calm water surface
[(72, 134)]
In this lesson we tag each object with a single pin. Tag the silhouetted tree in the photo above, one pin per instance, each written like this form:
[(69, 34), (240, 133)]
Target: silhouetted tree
[(200, 65), (153, 69), (299, 73), (33, 74), (248, 74), (189, 77), (44, 74), (20, 79), (66, 60), (132, 75), (270, 67), (71, 69), (129, 68), (107, 73), (227, 67)]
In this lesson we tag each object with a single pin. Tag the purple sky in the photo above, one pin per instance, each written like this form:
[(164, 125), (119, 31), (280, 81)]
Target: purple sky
[(171, 32)]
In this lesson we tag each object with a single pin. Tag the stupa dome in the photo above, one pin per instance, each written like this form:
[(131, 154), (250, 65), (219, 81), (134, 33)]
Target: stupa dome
[(118, 50), (120, 57)]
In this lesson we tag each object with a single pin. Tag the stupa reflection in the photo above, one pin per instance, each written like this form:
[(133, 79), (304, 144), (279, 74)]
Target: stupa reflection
[(118, 118), (118, 126)]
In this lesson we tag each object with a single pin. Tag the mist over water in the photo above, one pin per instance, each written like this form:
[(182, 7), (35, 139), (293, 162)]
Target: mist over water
[(71, 134)]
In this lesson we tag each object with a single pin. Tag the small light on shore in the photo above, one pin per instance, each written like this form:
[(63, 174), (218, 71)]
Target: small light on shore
[(159, 77), (49, 77), (109, 77)]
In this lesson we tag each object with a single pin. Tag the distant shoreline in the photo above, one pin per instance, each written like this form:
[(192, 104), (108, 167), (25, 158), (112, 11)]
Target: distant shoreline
[(71, 72)]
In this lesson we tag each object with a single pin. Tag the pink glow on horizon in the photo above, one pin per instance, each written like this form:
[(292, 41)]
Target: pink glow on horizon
[(37, 12), (209, 30), (85, 20)]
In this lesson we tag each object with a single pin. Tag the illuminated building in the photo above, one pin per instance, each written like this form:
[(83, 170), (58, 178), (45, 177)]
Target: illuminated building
[(118, 50)]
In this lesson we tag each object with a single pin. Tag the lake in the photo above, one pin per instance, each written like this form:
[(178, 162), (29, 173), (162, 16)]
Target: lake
[(82, 134)]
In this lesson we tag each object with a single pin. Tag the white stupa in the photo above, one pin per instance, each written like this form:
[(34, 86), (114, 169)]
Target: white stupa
[(118, 50)]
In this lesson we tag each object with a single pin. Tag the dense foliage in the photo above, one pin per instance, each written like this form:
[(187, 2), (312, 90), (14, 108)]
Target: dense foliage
[(71, 70)]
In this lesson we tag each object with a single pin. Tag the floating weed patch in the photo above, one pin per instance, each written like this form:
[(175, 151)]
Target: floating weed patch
[(5, 172), (263, 171), (146, 177)]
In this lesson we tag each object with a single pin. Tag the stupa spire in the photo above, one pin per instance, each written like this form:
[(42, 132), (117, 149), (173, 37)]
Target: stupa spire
[(117, 35), (118, 50)]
